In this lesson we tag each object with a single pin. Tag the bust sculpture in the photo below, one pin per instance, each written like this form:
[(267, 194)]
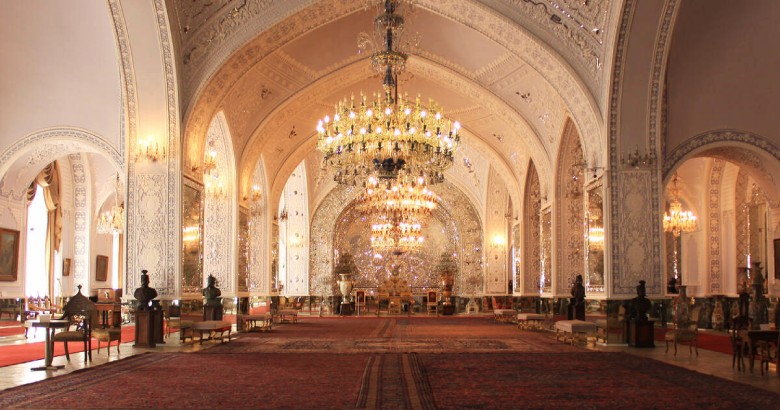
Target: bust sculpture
[(144, 295), (212, 293), (578, 298), (640, 305)]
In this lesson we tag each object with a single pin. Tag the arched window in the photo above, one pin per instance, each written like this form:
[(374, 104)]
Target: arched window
[(44, 232)]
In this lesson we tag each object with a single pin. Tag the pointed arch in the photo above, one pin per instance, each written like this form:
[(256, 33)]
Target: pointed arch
[(220, 215), (532, 212), (570, 211)]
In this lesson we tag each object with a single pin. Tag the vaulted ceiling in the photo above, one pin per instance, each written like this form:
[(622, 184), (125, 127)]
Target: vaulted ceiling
[(511, 71)]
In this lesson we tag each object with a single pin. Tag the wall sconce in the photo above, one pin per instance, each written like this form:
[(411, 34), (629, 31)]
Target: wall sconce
[(215, 188), (636, 160), (210, 159), (498, 242), (254, 198), (149, 150), (282, 217)]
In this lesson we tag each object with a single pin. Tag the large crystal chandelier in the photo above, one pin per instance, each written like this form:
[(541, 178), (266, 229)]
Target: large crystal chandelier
[(401, 196), (397, 234), (112, 221), (676, 220), (389, 133)]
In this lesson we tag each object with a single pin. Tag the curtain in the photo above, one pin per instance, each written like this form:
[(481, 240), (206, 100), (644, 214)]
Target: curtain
[(49, 180)]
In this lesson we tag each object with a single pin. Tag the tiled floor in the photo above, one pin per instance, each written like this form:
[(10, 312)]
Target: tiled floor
[(707, 362)]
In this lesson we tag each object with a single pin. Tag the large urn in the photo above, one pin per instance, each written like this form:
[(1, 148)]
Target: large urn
[(345, 269), (345, 286)]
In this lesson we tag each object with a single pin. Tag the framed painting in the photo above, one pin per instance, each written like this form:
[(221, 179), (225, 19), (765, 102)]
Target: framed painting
[(101, 268), (66, 267), (9, 254)]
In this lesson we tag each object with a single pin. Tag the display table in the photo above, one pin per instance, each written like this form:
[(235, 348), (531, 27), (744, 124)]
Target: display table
[(50, 328), (291, 315), (213, 327), (756, 336), (531, 321), (574, 330), (261, 323)]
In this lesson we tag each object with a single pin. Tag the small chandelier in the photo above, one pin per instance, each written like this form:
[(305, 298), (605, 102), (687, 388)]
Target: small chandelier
[(397, 235), (676, 220), (113, 221), (389, 133), (402, 196)]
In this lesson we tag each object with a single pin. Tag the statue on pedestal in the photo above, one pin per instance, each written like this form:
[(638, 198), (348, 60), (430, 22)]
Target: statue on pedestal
[(577, 301), (639, 306), (212, 306), (212, 293), (144, 295)]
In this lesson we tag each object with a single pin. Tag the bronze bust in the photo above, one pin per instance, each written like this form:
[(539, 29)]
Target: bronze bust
[(212, 293), (144, 295)]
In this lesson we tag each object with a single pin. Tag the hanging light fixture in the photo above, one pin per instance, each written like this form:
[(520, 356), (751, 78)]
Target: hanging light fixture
[(389, 133), (677, 221), (210, 159), (402, 196), (112, 221), (397, 234)]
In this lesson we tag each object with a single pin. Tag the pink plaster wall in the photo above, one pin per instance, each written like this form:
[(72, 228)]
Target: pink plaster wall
[(724, 69)]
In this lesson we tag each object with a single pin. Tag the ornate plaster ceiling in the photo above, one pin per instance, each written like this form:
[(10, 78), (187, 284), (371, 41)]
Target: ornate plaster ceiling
[(511, 77)]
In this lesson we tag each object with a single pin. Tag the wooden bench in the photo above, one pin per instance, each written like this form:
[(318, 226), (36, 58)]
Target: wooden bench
[(214, 328), (287, 315), (531, 321), (260, 323), (572, 331), (504, 315)]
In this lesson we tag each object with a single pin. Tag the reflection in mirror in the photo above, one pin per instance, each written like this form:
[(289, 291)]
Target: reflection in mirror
[(192, 237), (595, 239), (243, 249)]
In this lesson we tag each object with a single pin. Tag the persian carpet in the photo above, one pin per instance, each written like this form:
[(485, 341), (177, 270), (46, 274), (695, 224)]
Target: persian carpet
[(561, 380)]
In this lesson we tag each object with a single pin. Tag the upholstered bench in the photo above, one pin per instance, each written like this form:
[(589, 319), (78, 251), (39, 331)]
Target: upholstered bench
[(261, 322), (530, 321), (287, 315), (574, 330), (183, 326), (504, 315), (213, 327)]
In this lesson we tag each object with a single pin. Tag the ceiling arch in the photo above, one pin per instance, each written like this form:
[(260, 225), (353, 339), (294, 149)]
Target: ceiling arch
[(524, 56)]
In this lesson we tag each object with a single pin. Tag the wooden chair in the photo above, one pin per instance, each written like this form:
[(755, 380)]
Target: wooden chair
[(739, 346), (108, 334), (84, 317), (432, 305), (685, 332), (360, 300)]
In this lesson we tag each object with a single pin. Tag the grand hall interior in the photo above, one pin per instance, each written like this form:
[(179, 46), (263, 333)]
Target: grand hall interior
[(389, 203)]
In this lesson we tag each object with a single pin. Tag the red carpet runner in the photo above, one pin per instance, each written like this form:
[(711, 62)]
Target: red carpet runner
[(15, 354)]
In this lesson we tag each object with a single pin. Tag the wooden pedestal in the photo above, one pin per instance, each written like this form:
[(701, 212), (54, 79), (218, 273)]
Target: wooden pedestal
[(212, 312), (346, 309), (446, 310), (148, 328), (640, 334)]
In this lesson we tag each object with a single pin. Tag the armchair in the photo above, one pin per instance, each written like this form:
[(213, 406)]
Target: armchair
[(685, 332), (84, 317), (432, 304)]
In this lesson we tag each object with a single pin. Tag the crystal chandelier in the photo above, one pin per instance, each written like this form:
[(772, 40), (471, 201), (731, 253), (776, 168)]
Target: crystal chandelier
[(389, 133), (676, 220), (113, 221), (397, 235), (402, 196)]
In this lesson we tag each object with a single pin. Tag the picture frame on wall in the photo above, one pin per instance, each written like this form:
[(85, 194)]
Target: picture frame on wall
[(9, 254), (101, 268), (66, 267)]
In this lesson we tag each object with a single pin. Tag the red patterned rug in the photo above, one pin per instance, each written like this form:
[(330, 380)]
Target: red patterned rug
[(581, 380), (27, 352)]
